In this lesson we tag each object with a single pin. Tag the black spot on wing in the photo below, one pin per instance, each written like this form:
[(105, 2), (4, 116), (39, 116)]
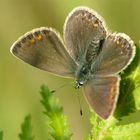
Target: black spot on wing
[(16, 47), (30, 36), (36, 33), (45, 31), (14, 50)]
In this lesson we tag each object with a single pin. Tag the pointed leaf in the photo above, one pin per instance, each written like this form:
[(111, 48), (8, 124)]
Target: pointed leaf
[(123, 132), (56, 119), (26, 129), (1, 135)]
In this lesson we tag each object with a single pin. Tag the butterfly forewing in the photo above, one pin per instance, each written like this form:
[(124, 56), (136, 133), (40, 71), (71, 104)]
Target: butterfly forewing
[(83, 31), (102, 94), (44, 49), (117, 52)]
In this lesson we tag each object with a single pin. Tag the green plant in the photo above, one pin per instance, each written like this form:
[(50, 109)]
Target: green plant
[(26, 129), (111, 129), (1, 135), (56, 120)]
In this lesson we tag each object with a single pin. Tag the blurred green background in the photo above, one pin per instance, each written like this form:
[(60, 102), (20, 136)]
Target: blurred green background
[(20, 83)]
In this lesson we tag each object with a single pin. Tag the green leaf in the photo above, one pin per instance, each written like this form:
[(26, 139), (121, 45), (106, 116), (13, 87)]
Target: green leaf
[(123, 132), (100, 127), (129, 99), (56, 120), (97, 124), (26, 129), (1, 135)]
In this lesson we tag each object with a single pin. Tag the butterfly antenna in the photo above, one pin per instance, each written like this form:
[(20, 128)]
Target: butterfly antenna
[(61, 86), (78, 96)]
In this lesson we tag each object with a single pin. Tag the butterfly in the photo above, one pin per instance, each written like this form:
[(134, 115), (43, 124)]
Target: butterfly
[(89, 54)]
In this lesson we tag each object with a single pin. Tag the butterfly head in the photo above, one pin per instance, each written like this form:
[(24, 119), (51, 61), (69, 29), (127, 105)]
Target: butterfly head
[(78, 84)]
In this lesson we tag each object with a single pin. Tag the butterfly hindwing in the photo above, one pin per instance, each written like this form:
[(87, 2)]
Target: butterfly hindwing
[(44, 49), (83, 32), (102, 94)]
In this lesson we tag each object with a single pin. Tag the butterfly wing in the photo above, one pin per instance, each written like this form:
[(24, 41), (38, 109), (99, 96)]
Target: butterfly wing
[(102, 94), (84, 31), (43, 48), (117, 52)]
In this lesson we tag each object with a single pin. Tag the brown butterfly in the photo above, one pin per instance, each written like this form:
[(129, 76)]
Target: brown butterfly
[(92, 56)]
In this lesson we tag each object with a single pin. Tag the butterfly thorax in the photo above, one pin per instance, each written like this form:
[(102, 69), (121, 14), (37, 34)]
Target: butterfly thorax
[(82, 75)]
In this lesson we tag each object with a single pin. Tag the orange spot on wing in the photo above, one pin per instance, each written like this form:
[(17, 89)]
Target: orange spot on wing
[(39, 37), (32, 41), (112, 95)]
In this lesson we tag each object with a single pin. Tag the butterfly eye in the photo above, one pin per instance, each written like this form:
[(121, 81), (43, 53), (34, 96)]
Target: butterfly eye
[(81, 83), (78, 84)]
